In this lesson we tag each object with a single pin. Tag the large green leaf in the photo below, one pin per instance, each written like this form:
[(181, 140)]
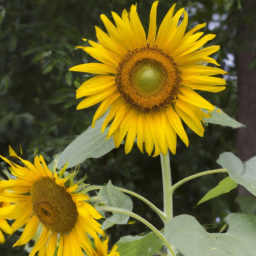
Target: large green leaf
[(192, 240), (244, 174), (223, 187), (90, 144), (219, 117), (145, 245), (111, 196)]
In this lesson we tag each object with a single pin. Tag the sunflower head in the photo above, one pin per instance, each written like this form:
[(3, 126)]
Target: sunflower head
[(53, 206), (37, 198), (148, 81)]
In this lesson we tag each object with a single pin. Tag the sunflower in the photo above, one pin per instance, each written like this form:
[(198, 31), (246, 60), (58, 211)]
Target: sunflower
[(149, 82), (101, 249), (41, 199), (4, 226)]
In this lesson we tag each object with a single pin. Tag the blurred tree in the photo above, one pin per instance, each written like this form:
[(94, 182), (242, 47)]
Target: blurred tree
[(246, 66)]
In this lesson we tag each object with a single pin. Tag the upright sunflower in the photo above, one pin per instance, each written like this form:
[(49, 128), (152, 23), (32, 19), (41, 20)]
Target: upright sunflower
[(39, 196), (149, 81)]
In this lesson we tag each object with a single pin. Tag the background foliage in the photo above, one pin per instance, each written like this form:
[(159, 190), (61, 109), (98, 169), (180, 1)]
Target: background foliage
[(38, 105)]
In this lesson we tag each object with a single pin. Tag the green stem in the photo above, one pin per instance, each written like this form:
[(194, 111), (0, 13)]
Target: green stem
[(167, 186), (137, 217), (161, 214), (178, 184)]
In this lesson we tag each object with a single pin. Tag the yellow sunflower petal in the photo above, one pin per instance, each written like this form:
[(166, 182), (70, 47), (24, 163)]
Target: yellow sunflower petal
[(67, 245), (204, 80), (117, 120), (185, 44), (42, 251), (114, 108), (140, 132), (191, 110), (131, 133), (109, 43), (13, 211), (2, 239), (192, 122), (105, 104), (161, 35), (41, 242), (113, 32), (171, 30), (193, 30), (149, 142), (193, 57), (103, 56), (60, 248), (175, 122), (123, 128), (125, 31), (193, 98), (199, 44), (95, 68), (171, 136), (138, 29), (92, 90), (28, 232), (52, 244), (5, 226), (202, 70), (207, 88), (152, 24), (96, 81), (180, 31), (23, 218), (94, 99)]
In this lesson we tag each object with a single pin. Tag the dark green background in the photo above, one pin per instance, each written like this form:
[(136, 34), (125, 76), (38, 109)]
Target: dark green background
[(38, 105)]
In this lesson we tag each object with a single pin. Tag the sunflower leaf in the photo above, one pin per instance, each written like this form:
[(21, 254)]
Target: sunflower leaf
[(191, 238), (90, 144), (219, 117), (145, 245), (111, 196), (242, 173), (223, 187)]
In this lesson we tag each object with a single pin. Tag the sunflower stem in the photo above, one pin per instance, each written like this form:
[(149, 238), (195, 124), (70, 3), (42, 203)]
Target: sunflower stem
[(167, 186), (181, 182), (139, 218), (161, 214)]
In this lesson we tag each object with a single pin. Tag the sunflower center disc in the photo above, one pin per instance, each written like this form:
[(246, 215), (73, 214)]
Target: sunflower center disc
[(53, 206), (148, 79)]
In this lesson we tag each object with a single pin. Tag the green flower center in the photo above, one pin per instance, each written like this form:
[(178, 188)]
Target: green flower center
[(148, 76)]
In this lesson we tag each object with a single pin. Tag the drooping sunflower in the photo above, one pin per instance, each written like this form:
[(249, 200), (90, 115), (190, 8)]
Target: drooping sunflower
[(42, 199), (4, 226), (149, 81), (101, 249)]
